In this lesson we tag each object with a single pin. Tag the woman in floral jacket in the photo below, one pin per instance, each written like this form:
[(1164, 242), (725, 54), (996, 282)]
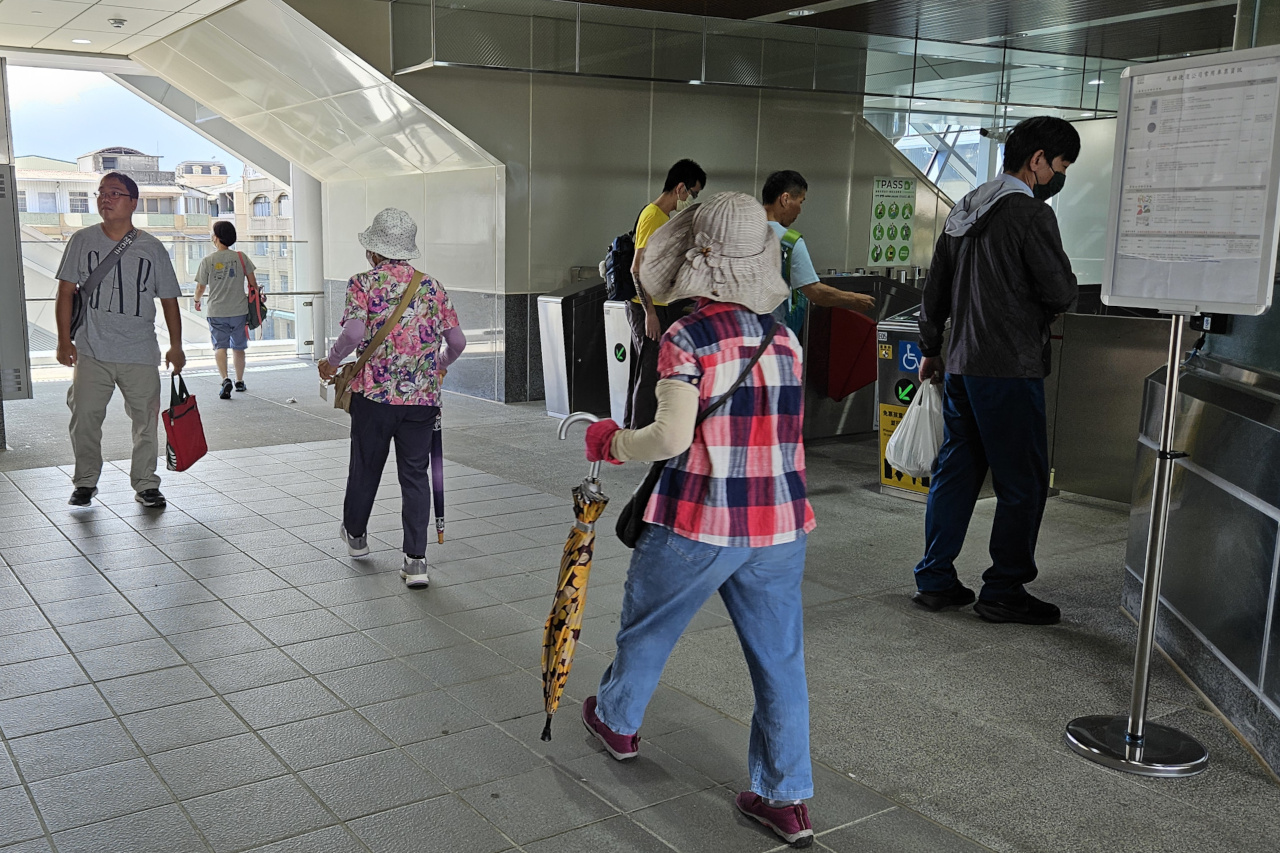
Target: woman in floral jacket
[(397, 393)]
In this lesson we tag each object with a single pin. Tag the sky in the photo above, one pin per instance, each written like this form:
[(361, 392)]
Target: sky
[(63, 114)]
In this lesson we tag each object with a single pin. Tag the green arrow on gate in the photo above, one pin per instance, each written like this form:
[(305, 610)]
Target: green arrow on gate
[(904, 393)]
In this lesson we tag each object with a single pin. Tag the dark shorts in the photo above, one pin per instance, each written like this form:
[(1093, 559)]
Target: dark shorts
[(230, 332)]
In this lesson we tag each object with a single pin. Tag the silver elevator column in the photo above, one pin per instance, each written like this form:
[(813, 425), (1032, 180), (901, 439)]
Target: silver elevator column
[(15, 358)]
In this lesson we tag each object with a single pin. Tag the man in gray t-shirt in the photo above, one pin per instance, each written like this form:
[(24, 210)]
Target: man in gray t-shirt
[(116, 345)]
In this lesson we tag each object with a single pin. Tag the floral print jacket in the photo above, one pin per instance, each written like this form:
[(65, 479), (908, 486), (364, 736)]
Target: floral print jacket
[(406, 370)]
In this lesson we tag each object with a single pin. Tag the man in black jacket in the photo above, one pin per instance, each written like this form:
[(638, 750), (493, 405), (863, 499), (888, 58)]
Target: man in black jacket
[(1000, 275)]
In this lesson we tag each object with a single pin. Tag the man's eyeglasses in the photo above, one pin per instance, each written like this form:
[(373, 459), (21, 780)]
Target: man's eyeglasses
[(111, 194)]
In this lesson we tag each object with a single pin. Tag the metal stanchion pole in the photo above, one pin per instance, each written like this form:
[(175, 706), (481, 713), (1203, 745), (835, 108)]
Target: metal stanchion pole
[(1130, 743)]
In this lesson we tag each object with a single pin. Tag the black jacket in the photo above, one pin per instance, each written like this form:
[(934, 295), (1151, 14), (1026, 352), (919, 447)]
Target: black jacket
[(1000, 282)]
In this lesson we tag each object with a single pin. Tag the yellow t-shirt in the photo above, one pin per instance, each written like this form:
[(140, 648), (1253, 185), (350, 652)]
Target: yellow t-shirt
[(651, 219)]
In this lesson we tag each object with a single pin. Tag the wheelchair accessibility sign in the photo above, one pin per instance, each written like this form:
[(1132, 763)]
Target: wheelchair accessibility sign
[(909, 357)]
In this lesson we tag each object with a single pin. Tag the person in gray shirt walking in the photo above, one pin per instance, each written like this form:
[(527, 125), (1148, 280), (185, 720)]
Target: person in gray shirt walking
[(115, 345), (224, 274)]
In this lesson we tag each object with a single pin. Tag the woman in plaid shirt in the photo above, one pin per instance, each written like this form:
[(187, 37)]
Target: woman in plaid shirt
[(729, 513)]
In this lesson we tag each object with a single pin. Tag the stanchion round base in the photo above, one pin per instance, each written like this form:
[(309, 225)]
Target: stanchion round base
[(1164, 751)]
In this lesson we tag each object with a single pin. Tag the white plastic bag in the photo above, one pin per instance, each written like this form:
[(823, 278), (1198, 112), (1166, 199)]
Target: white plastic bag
[(914, 445)]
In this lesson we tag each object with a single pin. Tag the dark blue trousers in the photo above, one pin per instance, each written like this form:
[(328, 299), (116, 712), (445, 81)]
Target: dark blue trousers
[(995, 424), (373, 427)]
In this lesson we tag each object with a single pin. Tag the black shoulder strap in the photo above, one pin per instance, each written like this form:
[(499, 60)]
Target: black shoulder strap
[(746, 371), (104, 264)]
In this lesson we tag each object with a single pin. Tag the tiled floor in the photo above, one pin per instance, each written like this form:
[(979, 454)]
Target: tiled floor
[(221, 676)]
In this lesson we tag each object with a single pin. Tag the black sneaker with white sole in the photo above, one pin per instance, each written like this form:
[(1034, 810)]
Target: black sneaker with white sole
[(225, 393), (240, 386), (83, 495), (151, 498)]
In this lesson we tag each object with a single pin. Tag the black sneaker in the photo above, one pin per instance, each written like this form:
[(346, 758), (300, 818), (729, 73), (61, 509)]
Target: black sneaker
[(240, 386), (1025, 609), (958, 596), (226, 389), (83, 495), (151, 498)]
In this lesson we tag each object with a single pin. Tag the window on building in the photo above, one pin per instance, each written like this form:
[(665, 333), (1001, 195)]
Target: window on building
[(264, 278), (260, 246), (197, 205), (109, 163), (206, 170), (284, 282), (284, 205), (46, 202), (79, 202), (284, 247), (22, 201), (158, 205), (261, 206)]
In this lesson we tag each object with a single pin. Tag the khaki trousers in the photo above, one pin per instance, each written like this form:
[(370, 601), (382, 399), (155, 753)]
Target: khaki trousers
[(92, 385)]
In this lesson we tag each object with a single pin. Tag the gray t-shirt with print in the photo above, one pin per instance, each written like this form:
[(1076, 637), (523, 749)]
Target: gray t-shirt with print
[(224, 273), (120, 316)]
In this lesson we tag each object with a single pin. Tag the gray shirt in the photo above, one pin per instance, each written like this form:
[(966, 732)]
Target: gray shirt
[(224, 274), (120, 316)]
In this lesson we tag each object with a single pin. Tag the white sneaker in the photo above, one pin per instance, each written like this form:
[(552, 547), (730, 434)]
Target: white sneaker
[(414, 573), (357, 546)]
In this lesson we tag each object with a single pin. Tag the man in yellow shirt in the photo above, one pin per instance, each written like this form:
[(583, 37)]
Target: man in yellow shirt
[(648, 319)]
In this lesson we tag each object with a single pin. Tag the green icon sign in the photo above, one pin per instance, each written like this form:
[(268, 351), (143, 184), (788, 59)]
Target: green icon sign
[(878, 231), (893, 232), (906, 232), (908, 210), (889, 253), (893, 210), (619, 352), (875, 253), (880, 210), (905, 391), (903, 252)]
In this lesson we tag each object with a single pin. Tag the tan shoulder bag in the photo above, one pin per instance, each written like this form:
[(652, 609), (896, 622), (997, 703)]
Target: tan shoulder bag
[(342, 379)]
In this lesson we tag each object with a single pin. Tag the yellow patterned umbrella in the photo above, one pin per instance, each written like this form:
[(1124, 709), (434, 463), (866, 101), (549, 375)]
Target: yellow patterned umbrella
[(564, 624)]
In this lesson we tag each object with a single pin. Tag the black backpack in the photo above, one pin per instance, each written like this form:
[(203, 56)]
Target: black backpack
[(618, 283)]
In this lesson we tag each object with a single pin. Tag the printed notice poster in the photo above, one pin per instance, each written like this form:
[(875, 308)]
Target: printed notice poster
[(893, 217), (1198, 168)]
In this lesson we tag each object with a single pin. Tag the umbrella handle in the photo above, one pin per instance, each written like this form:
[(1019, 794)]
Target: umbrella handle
[(575, 418)]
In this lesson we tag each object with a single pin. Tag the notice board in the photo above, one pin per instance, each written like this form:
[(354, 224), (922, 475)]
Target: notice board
[(1192, 225), (893, 217)]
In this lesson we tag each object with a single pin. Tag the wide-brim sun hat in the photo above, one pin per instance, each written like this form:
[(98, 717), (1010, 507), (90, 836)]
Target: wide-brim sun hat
[(393, 234), (723, 250)]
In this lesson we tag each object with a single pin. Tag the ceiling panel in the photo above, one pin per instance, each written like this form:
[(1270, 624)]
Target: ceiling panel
[(53, 24), (39, 13), (1088, 23)]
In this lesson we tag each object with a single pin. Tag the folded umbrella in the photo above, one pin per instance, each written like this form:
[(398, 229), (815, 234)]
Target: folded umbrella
[(564, 624), (437, 476)]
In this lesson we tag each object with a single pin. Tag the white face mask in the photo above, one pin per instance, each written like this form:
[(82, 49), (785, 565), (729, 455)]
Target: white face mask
[(683, 203)]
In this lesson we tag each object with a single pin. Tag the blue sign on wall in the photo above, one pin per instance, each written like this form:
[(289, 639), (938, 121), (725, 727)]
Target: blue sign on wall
[(909, 357)]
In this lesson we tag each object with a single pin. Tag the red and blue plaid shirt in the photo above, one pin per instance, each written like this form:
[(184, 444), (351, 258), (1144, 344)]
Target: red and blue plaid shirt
[(741, 483)]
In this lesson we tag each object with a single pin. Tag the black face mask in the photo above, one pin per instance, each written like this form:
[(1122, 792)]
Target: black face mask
[(1046, 191)]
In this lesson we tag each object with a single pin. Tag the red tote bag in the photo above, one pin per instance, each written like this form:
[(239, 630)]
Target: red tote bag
[(182, 427)]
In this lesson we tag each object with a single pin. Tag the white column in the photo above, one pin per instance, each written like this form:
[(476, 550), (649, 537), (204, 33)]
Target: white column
[(308, 262)]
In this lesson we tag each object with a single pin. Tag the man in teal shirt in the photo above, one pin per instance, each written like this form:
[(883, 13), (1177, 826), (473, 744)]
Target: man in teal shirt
[(783, 197)]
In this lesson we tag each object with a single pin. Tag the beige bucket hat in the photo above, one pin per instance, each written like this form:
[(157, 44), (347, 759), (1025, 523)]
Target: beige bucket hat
[(393, 234), (722, 249)]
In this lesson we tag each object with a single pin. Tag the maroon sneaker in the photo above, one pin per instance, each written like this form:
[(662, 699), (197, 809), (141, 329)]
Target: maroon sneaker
[(790, 823), (620, 747)]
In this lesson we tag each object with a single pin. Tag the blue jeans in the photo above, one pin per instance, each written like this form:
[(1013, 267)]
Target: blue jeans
[(669, 579), (996, 424)]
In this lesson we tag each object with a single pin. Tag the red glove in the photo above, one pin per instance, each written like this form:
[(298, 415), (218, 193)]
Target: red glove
[(600, 441)]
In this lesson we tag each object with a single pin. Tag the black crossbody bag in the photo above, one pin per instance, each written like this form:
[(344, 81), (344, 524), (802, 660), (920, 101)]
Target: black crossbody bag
[(631, 521), (84, 291)]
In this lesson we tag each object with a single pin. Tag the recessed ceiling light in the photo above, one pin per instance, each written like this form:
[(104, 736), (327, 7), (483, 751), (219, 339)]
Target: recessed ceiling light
[(1095, 82), (800, 13), (81, 41), (1087, 115)]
